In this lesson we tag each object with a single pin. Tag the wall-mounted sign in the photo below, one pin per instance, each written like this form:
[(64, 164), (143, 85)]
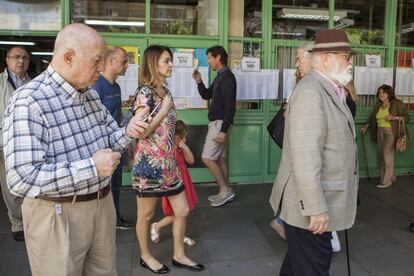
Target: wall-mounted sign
[(181, 59), (373, 60), (250, 64)]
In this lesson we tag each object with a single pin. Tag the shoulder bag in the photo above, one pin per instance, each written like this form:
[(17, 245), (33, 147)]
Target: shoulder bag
[(401, 144), (277, 125)]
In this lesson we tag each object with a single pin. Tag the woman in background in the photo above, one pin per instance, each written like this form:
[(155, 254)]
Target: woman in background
[(384, 122)]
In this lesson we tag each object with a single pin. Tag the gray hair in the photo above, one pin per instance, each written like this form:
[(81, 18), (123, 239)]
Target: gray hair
[(306, 47)]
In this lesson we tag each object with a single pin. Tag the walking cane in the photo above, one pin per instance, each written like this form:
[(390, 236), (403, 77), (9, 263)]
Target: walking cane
[(347, 252), (365, 154)]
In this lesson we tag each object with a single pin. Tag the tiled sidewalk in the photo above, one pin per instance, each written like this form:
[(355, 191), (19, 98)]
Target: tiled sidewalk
[(236, 239)]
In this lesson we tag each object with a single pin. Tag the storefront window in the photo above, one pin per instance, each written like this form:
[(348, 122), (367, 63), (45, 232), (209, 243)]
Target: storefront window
[(30, 15), (191, 17), (299, 20), (362, 20), (405, 23), (40, 49), (111, 16), (238, 50), (245, 18)]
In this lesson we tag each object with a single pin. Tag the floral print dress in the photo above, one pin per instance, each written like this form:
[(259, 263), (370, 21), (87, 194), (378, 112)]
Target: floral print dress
[(154, 171)]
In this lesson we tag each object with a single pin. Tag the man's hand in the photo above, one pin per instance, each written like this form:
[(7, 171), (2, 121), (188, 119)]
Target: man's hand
[(221, 137), (197, 76), (136, 127), (106, 161), (319, 223)]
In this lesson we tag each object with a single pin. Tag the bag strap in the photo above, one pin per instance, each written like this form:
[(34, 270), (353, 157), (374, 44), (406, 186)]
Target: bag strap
[(401, 127)]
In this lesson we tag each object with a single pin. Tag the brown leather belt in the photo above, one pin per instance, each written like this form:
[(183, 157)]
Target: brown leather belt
[(79, 198)]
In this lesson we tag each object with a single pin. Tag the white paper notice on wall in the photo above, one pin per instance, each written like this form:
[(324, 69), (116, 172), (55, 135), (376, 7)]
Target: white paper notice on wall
[(367, 80), (182, 84), (404, 82), (373, 60), (129, 82), (257, 85), (183, 59), (412, 63), (250, 64)]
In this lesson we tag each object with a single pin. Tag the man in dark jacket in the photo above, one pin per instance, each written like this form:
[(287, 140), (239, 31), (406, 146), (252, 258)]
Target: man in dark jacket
[(222, 93)]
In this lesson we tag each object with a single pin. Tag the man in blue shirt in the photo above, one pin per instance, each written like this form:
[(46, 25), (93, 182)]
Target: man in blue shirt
[(116, 63)]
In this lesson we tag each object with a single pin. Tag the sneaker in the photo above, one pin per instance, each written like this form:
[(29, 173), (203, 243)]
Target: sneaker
[(336, 245), (223, 198), (124, 224), (384, 186), (213, 197)]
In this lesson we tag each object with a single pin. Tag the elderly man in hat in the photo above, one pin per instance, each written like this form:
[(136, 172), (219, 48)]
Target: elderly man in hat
[(315, 191)]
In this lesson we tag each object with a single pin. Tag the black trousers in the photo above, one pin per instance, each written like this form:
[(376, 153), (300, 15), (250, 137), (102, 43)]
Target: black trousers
[(308, 254)]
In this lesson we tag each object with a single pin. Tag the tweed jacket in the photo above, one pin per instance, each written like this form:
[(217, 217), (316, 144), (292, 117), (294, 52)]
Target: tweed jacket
[(318, 171), (6, 90)]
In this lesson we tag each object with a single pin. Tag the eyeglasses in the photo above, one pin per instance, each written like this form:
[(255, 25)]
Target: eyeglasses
[(16, 58), (347, 56)]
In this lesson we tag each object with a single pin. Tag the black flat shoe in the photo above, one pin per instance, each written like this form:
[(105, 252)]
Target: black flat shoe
[(164, 269), (18, 236), (411, 227), (196, 267)]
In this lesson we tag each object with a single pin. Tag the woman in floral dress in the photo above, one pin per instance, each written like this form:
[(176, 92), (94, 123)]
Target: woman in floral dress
[(154, 172)]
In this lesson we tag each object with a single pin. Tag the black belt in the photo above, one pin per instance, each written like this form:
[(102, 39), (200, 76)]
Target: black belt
[(79, 198)]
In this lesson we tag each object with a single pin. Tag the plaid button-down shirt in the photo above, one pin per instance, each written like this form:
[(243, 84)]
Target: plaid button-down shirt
[(51, 131)]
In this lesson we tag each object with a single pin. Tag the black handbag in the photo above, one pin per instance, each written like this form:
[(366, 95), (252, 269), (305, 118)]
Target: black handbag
[(277, 125)]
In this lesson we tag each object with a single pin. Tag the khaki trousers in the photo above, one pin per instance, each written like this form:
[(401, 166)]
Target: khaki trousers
[(70, 239), (386, 141), (12, 202)]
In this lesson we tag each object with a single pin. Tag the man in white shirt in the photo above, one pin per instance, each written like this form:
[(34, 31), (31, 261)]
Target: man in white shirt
[(14, 76)]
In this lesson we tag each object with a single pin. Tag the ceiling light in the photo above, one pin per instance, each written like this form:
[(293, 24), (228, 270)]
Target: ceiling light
[(17, 43), (310, 14), (115, 23), (42, 53)]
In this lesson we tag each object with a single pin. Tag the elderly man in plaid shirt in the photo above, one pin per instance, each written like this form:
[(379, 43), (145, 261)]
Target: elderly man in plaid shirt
[(61, 146)]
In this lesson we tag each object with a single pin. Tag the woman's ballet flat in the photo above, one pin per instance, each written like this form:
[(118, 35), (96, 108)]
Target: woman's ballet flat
[(164, 269), (196, 267)]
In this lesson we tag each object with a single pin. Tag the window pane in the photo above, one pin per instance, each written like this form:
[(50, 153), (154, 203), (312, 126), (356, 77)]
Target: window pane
[(30, 15), (238, 50), (405, 23), (40, 52), (363, 20), (111, 16), (245, 18), (300, 20), (193, 17)]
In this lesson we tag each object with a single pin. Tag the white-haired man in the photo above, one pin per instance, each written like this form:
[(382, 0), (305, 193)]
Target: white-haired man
[(61, 147), (315, 191)]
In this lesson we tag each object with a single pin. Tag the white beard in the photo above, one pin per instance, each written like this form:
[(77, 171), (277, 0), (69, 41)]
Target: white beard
[(341, 78)]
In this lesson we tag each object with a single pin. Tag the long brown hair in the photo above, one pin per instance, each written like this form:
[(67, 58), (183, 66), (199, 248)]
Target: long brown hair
[(149, 74), (350, 87)]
